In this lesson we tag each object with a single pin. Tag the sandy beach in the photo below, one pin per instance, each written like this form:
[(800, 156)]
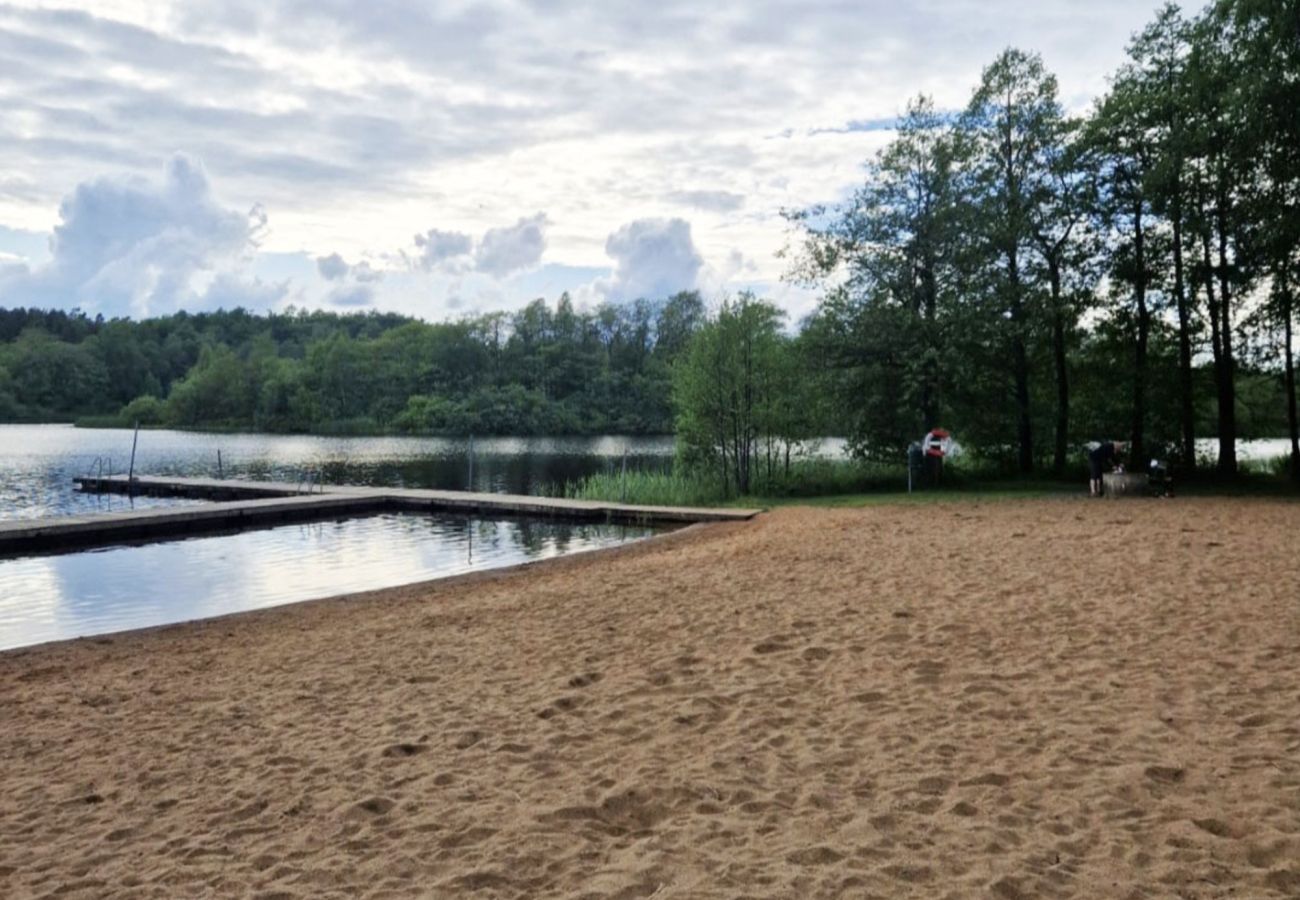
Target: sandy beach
[(1050, 698)]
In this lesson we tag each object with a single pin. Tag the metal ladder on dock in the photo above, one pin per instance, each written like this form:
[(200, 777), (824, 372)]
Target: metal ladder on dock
[(97, 467)]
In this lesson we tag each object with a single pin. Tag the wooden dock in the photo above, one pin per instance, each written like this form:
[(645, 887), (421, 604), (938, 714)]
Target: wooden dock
[(240, 505)]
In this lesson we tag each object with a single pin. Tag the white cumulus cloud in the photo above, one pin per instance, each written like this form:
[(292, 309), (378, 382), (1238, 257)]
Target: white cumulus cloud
[(229, 290), (134, 246), (354, 284), (331, 267), (504, 251), (652, 258), (435, 248)]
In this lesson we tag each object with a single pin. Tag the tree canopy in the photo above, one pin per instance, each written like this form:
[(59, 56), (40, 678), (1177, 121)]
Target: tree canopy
[(1036, 281)]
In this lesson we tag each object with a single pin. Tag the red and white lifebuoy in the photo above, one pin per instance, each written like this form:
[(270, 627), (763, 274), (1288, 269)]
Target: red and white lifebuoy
[(937, 442)]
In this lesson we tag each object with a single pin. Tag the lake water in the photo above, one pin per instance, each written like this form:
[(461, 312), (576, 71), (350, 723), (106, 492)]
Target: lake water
[(49, 598), (38, 462)]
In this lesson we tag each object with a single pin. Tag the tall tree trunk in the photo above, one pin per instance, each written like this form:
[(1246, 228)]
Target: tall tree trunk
[(1020, 362), (930, 388), (1138, 452), (1184, 336), (1062, 373), (1228, 387), (720, 419), (1212, 304), (1284, 275)]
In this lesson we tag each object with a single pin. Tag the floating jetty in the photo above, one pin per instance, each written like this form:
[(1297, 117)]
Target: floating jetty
[(240, 505)]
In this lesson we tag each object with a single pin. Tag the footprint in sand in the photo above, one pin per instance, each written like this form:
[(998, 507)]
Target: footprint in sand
[(1165, 774), (478, 881), (375, 806), (1008, 889), (991, 779), (868, 697), (468, 739), (815, 856), (909, 874), (467, 838), (1214, 827), (934, 784), (1285, 881)]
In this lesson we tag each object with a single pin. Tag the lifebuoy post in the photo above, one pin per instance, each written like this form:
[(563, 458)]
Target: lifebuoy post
[(936, 445)]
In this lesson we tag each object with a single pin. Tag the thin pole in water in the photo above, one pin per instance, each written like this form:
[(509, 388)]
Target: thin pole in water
[(130, 474), (623, 490), (470, 486), (220, 471)]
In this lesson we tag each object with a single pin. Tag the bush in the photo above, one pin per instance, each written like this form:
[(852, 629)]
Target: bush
[(647, 489), (426, 414), (147, 410)]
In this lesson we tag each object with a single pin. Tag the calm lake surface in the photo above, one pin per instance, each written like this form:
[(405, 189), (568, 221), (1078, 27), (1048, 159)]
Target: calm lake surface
[(38, 462), (48, 598)]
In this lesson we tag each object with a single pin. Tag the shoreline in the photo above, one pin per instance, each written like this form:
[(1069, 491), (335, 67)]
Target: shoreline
[(1010, 699), (454, 581), (252, 432)]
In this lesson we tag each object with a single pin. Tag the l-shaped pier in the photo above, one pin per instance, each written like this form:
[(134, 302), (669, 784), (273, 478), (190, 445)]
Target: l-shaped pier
[(239, 505)]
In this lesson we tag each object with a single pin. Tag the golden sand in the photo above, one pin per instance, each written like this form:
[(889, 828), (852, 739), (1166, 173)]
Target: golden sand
[(1023, 699)]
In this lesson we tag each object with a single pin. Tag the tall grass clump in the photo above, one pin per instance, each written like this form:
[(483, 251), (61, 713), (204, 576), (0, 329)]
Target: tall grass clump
[(647, 489), (1273, 467), (813, 477)]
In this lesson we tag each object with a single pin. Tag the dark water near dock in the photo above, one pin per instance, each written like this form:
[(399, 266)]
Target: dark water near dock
[(38, 462), (47, 598)]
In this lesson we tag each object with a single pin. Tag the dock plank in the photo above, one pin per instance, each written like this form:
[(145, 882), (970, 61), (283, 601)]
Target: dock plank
[(254, 504)]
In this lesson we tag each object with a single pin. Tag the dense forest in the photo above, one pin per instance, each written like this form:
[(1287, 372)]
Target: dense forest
[(541, 370), (1029, 279)]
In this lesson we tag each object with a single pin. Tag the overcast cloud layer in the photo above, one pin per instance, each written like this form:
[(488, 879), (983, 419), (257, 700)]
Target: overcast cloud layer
[(453, 157)]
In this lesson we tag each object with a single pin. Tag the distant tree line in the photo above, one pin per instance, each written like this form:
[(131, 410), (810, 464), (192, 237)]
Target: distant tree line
[(541, 370), (1033, 280)]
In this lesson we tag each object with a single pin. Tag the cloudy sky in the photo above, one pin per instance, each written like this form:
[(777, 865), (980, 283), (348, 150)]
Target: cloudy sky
[(440, 158)]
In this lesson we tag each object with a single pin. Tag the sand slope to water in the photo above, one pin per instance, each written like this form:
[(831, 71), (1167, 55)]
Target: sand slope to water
[(1026, 699)]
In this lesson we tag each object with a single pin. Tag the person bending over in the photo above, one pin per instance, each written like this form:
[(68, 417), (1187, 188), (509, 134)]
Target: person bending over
[(1100, 459)]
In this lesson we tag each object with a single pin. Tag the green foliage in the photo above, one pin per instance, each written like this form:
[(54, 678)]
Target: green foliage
[(147, 410), (743, 404), (538, 371), (806, 477), (216, 391), (50, 377), (1033, 283), (650, 489), (10, 409)]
